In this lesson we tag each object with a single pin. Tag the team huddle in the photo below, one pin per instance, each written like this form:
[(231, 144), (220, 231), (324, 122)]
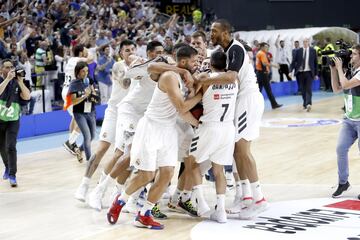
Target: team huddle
[(153, 121)]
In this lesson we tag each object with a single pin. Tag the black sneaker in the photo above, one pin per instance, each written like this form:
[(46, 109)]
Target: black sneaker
[(69, 147), (155, 211), (188, 207), (341, 189)]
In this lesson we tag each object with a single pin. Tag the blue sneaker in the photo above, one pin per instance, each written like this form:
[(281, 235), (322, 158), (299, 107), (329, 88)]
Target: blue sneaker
[(12, 180), (6, 174)]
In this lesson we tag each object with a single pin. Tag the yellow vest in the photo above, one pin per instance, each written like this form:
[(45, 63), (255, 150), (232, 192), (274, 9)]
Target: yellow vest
[(328, 47), (318, 54)]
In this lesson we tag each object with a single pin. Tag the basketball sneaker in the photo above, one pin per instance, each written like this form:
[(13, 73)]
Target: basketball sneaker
[(114, 193), (78, 154), (236, 207), (218, 216), (188, 207), (155, 211), (95, 198), (131, 206), (114, 210), (69, 147), (341, 189), (202, 209), (6, 174), (12, 180), (254, 210), (81, 192), (174, 206), (147, 221)]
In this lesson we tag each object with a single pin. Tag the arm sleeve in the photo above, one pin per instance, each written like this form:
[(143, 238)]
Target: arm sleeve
[(236, 58)]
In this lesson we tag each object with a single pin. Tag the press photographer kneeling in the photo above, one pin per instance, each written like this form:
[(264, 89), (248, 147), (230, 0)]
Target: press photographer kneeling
[(13, 93), (83, 96), (347, 79)]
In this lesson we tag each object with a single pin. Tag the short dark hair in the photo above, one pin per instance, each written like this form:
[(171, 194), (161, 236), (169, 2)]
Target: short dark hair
[(185, 52), (80, 65), (78, 49), (6, 60), (263, 44), (152, 45), (199, 34), (225, 25), (126, 42), (218, 60), (179, 45)]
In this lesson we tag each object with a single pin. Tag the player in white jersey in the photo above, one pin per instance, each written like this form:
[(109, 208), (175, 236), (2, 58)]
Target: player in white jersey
[(107, 134), (213, 142), (248, 113), (80, 54), (129, 111), (155, 141)]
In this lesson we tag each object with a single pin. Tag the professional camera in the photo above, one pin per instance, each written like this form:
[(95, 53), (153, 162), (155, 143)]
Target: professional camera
[(344, 53), (19, 72)]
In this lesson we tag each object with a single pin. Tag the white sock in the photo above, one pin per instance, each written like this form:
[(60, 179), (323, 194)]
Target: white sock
[(123, 196), (175, 197), (136, 194), (102, 176), (199, 195), (85, 181), (256, 189), (119, 187), (220, 202), (238, 190), (105, 183), (185, 195), (147, 206), (246, 190), (73, 136)]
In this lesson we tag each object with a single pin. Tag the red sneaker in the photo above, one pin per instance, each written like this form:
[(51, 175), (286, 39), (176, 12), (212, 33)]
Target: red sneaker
[(147, 221), (115, 209)]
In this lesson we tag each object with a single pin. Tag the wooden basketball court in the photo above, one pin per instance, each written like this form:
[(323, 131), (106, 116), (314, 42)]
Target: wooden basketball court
[(293, 163)]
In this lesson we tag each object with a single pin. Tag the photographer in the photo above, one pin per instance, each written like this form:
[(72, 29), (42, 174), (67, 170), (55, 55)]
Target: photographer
[(83, 98), (349, 82), (13, 92)]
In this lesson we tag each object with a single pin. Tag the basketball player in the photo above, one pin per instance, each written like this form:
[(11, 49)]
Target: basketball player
[(155, 142), (80, 54), (248, 113), (213, 142), (129, 111), (107, 135)]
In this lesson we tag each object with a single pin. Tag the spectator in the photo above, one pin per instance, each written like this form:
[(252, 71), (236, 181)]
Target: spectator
[(282, 59), (104, 66)]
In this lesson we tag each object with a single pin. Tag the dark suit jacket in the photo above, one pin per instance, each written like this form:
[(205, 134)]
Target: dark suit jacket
[(298, 59)]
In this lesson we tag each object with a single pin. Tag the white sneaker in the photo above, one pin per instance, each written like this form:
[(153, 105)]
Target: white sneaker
[(236, 207), (95, 198), (131, 207), (81, 192), (114, 193), (254, 210), (219, 216), (247, 201), (166, 194), (202, 209)]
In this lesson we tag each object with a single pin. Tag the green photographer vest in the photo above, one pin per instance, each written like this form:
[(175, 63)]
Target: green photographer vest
[(352, 102)]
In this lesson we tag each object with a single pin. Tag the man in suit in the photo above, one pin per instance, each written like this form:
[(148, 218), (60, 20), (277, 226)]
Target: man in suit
[(304, 63)]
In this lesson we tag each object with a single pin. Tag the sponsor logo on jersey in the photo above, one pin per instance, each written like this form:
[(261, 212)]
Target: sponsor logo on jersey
[(300, 219), (224, 86), (104, 135), (298, 122), (216, 96)]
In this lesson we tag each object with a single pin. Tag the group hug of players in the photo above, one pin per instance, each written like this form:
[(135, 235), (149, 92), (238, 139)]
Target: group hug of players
[(150, 122)]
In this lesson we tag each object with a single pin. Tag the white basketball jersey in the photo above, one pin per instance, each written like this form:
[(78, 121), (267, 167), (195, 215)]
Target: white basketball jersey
[(70, 70), (139, 97), (247, 76), (160, 108), (219, 102), (118, 92)]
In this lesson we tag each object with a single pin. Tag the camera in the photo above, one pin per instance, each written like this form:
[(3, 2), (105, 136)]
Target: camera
[(19, 72), (344, 53)]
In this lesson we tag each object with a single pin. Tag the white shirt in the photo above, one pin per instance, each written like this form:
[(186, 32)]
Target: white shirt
[(219, 102), (117, 91), (282, 56), (307, 66), (160, 108)]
